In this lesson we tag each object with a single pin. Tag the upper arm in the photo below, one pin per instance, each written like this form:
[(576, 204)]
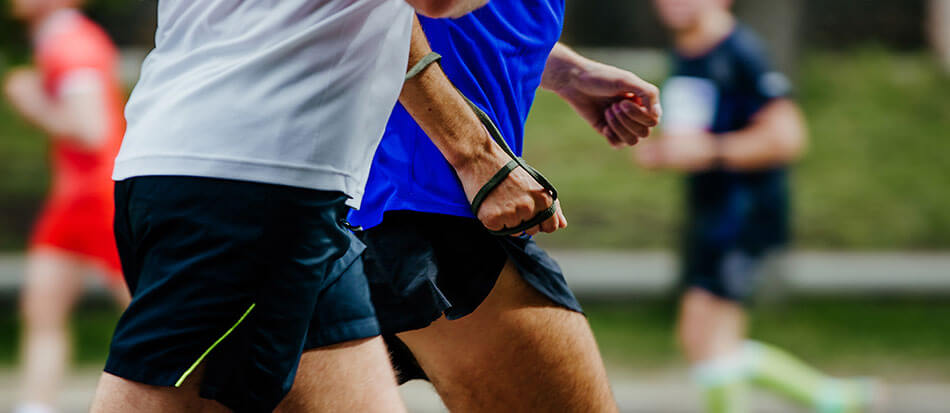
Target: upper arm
[(79, 73), (759, 79), (82, 101)]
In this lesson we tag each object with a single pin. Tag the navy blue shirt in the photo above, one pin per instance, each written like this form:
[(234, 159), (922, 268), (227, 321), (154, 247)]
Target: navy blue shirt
[(730, 84), (495, 56)]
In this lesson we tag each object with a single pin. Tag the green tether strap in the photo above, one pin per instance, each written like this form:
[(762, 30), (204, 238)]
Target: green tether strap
[(515, 163), (423, 64)]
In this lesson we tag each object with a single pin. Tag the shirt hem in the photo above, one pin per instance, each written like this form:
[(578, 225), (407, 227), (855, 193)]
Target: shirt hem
[(398, 203), (308, 178)]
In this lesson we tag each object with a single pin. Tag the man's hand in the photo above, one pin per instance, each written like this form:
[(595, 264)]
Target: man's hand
[(685, 152), (618, 104), (517, 199)]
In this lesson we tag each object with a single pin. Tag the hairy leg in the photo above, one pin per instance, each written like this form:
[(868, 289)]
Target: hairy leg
[(116, 395), (354, 376), (711, 334), (516, 352), (52, 286)]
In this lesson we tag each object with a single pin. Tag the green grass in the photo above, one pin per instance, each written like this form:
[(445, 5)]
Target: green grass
[(901, 339), (91, 331), (24, 176), (875, 177), (904, 339)]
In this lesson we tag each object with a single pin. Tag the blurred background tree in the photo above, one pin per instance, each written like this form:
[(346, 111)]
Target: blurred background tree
[(129, 22)]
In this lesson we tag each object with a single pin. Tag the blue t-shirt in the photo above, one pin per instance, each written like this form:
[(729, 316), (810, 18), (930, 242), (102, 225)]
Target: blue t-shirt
[(495, 56), (722, 91)]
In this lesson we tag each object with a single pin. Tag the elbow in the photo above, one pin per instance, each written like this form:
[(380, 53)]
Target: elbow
[(793, 145), (792, 142), (445, 8)]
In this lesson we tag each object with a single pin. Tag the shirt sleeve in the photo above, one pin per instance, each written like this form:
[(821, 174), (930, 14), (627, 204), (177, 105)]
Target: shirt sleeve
[(77, 64), (760, 79)]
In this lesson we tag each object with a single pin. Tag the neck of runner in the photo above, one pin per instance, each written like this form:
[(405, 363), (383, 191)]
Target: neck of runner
[(710, 29)]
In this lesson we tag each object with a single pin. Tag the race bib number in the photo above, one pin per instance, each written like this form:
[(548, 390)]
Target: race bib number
[(689, 103)]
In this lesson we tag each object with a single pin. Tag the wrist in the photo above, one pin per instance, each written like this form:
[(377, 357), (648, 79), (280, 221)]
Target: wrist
[(562, 70), (479, 152)]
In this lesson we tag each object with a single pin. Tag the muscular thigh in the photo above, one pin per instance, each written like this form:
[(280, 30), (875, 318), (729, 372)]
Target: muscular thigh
[(348, 377), (517, 352)]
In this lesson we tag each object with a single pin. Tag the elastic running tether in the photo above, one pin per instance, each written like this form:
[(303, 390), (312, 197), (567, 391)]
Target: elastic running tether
[(515, 163)]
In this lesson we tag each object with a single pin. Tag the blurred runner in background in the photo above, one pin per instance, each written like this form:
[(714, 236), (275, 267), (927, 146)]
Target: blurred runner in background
[(74, 95), (731, 125)]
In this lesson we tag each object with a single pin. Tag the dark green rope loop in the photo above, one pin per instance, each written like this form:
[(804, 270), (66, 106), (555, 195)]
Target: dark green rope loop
[(499, 177)]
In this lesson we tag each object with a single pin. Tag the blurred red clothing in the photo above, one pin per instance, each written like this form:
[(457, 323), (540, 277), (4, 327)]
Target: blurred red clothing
[(72, 53)]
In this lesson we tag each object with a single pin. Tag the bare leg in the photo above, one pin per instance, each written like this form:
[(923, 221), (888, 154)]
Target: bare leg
[(709, 327), (350, 377), (516, 352), (52, 285), (117, 395), (711, 332), (354, 376)]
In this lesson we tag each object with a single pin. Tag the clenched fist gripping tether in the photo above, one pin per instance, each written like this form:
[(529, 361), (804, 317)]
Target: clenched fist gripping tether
[(515, 163)]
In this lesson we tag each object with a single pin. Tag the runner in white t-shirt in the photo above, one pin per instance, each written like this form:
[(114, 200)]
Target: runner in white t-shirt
[(250, 134)]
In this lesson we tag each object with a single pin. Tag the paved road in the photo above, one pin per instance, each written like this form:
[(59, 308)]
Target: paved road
[(663, 392), (606, 274)]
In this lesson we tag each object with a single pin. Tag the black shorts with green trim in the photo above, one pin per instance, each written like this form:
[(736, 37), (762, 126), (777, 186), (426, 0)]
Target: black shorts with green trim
[(237, 277), (422, 266)]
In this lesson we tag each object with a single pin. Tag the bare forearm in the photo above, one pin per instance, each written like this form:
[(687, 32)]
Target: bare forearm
[(44, 115), (777, 136), (79, 113), (562, 64), (441, 111)]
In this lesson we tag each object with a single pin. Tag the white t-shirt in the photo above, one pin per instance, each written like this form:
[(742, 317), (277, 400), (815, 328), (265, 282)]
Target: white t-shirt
[(289, 92)]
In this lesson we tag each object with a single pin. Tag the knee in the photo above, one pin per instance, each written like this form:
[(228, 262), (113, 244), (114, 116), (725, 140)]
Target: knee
[(40, 311)]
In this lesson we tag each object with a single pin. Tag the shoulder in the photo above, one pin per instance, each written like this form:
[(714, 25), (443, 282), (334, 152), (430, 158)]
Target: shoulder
[(754, 66), (84, 44), (748, 48)]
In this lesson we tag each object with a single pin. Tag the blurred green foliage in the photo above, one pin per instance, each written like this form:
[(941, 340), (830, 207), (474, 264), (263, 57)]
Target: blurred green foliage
[(91, 332), (821, 24), (126, 21), (24, 176), (875, 177)]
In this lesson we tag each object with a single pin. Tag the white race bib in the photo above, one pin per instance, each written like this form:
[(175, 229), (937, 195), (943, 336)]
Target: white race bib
[(689, 104)]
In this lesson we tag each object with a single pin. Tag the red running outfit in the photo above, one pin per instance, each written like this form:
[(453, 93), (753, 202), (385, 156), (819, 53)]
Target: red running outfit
[(73, 53)]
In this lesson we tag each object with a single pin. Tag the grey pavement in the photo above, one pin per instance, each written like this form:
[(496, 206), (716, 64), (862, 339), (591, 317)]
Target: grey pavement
[(624, 273), (620, 274), (657, 392)]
